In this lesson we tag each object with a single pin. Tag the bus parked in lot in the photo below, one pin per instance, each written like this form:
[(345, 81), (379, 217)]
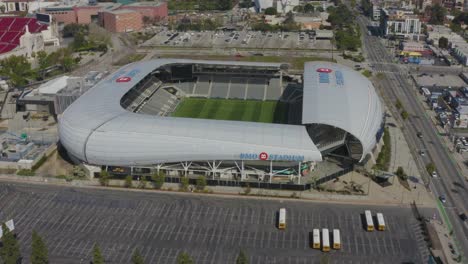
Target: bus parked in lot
[(369, 221), (316, 239), (325, 240), (282, 219), (380, 222), (336, 239)]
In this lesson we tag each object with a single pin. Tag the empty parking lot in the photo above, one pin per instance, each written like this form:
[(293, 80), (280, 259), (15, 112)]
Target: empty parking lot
[(209, 228)]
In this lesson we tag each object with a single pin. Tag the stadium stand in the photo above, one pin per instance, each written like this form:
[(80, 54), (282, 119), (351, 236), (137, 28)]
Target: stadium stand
[(273, 90), (12, 28), (237, 88), (186, 87), (256, 88), (160, 103), (202, 87), (220, 87)]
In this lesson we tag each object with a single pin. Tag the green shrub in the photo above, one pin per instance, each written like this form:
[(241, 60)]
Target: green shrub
[(128, 181), (201, 183), (25, 172), (184, 183)]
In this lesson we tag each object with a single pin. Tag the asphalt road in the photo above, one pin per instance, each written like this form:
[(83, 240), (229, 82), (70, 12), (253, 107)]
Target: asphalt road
[(210, 228), (395, 86)]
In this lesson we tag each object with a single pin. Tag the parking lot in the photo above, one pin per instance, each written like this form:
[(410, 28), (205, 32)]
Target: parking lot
[(211, 229), (238, 39)]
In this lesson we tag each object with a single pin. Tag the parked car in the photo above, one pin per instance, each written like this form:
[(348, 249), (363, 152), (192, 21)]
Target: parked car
[(442, 199), (422, 153), (419, 134), (463, 217), (434, 174)]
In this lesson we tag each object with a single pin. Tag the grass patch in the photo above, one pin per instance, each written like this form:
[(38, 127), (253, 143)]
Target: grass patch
[(367, 73), (383, 160), (236, 110), (129, 59), (25, 172)]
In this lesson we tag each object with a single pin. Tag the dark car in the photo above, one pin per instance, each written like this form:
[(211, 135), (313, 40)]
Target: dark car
[(419, 134), (463, 217)]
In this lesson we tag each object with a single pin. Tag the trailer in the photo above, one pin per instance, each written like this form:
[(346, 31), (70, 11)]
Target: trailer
[(336, 239), (325, 240), (316, 239), (369, 221), (10, 225), (380, 222), (282, 219)]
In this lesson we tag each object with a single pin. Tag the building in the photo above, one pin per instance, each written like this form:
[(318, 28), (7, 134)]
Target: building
[(78, 13), (24, 36), (400, 23), (121, 20), (312, 22), (282, 6), (155, 11), (376, 10), (125, 122)]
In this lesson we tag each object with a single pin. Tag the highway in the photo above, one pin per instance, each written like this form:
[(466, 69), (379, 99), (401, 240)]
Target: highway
[(395, 86)]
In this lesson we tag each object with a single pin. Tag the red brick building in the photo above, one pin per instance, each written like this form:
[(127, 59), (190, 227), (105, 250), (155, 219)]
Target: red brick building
[(121, 20), (156, 11)]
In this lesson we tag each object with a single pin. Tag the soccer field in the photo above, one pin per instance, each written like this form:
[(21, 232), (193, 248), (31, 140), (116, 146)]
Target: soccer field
[(239, 110)]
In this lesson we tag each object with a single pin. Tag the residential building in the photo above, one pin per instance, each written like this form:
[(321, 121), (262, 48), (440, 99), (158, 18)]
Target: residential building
[(400, 23), (121, 20)]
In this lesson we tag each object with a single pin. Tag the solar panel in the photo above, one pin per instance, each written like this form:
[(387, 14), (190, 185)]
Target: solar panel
[(324, 78), (339, 78)]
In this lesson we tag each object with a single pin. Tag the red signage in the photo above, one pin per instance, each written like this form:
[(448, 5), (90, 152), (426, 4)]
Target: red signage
[(123, 79), (324, 70), (263, 156)]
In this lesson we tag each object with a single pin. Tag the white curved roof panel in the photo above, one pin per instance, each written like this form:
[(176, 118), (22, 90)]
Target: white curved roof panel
[(97, 130), (339, 96)]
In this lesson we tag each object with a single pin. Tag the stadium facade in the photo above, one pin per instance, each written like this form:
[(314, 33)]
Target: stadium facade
[(125, 120)]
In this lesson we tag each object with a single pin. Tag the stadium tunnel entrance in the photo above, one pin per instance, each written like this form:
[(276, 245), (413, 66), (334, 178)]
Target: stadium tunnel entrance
[(334, 141)]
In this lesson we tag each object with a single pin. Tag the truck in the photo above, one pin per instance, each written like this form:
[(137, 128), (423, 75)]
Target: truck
[(336, 239), (380, 222), (369, 221), (325, 240)]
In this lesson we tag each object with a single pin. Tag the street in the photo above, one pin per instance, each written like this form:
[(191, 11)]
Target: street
[(395, 86)]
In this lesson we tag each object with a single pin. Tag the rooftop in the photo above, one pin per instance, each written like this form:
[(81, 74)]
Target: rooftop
[(155, 3)]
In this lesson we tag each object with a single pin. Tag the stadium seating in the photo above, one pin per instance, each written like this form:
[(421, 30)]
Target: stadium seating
[(202, 86), (160, 103), (273, 90), (237, 88), (220, 87), (12, 28), (256, 88)]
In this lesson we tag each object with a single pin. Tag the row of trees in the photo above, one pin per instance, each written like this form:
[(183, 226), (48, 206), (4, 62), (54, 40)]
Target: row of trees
[(204, 24), (157, 180), (307, 8), (288, 25), (200, 5), (347, 33), (10, 252), (20, 72)]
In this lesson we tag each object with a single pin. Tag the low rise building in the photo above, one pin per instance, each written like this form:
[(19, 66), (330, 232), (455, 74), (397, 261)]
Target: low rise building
[(121, 20)]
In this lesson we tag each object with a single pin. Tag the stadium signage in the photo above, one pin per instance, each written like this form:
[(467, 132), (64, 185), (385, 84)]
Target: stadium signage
[(324, 70), (122, 76), (123, 79), (266, 156)]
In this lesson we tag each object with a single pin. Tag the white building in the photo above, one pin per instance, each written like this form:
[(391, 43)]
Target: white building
[(282, 6), (400, 23)]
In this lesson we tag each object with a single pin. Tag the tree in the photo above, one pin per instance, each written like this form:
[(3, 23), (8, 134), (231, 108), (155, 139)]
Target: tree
[(308, 8), (320, 9), (158, 179), (443, 43), (404, 115), (271, 11), (430, 167), (398, 104), (43, 61), (184, 183), (65, 58), (242, 258), (142, 183), (224, 4), (400, 172), (71, 29), (128, 181), (438, 13), (97, 256), (104, 178), (184, 258), (17, 68), (137, 258), (201, 183), (10, 251), (298, 9), (39, 253)]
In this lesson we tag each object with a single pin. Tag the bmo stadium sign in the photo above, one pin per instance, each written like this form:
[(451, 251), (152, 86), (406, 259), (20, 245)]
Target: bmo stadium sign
[(266, 156)]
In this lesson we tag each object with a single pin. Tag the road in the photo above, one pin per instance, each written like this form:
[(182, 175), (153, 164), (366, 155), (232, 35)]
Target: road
[(396, 86)]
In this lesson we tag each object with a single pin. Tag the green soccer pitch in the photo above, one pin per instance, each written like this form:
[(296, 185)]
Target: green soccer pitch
[(231, 109)]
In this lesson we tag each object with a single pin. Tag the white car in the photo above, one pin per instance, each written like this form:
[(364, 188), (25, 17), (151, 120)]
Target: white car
[(434, 174)]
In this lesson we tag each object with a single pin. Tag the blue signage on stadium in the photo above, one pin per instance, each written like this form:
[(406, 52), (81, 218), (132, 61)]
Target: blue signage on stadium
[(265, 156)]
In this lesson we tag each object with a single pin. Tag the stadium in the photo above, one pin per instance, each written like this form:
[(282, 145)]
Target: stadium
[(227, 120)]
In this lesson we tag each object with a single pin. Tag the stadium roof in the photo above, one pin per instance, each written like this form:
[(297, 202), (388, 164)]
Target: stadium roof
[(97, 130), (339, 96)]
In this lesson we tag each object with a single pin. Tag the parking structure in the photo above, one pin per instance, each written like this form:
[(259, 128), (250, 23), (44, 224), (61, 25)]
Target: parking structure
[(209, 228), (238, 39)]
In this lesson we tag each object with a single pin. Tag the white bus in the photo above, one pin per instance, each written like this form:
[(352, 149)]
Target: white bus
[(325, 240), (316, 239), (369, 221), (336, 239), (282, 218), (380, 222)]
